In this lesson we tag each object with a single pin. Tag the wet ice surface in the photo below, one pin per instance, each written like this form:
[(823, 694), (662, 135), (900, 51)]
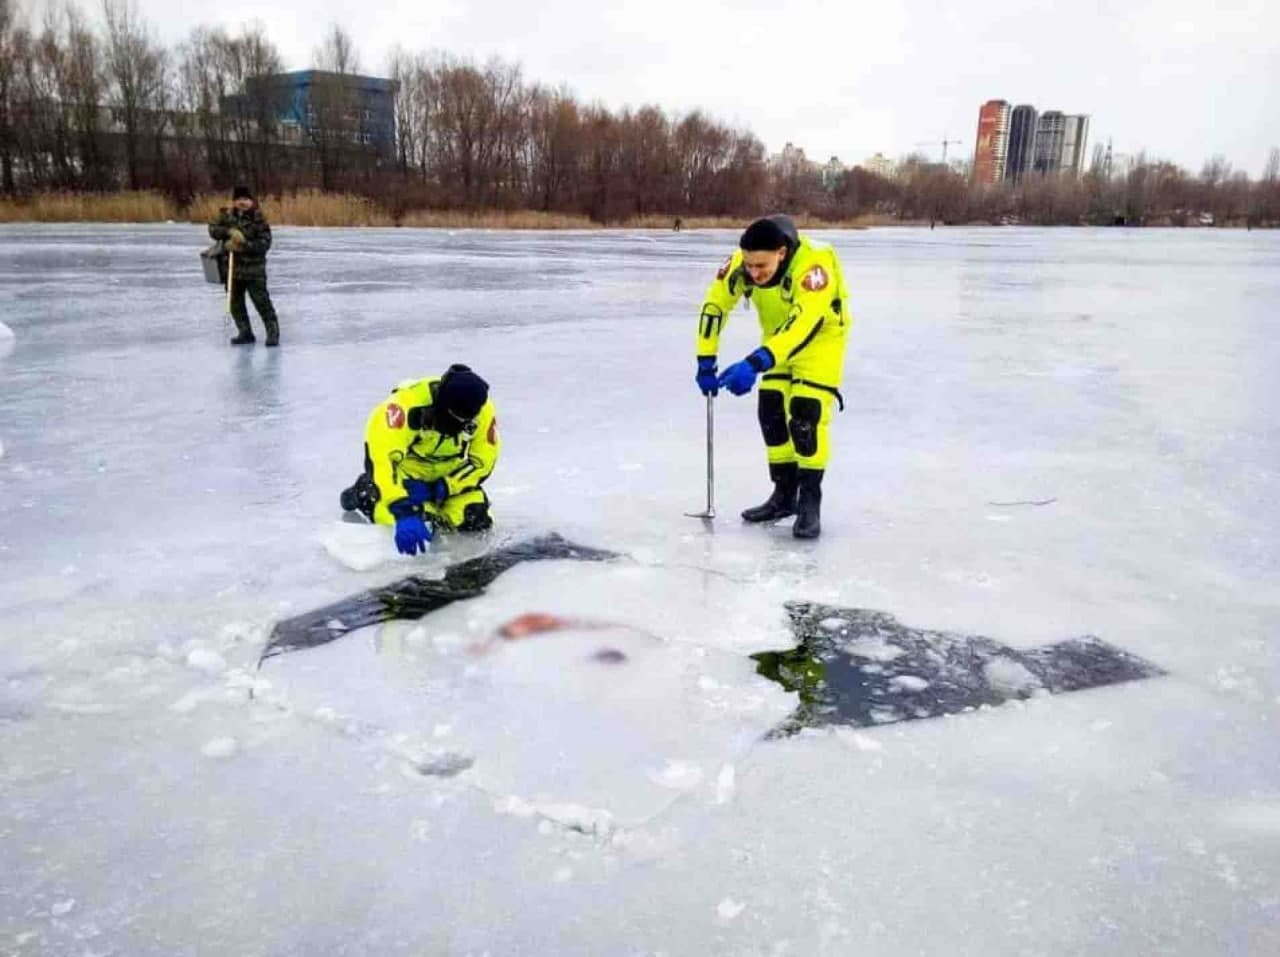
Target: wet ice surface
[(165, 499)]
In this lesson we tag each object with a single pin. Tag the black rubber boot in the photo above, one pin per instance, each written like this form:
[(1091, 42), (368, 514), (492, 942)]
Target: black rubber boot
[(809, 505), (361, 497), (783, 500), (273, 330), (244, 333)]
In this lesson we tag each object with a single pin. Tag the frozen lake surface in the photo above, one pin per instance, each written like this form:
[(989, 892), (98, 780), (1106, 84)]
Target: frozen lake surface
[(424, 788)]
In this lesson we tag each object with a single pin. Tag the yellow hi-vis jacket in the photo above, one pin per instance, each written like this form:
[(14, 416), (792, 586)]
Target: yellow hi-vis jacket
[(804, 317), (402, 443)]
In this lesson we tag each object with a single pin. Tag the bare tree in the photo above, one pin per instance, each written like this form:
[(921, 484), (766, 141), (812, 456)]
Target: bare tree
[(502, 177), (860, 192), (255, 61), (83, 93), (1265, 203), (334, 123), (231, 105), (1271, 172), (45, 127), (136, 66), (599, 184), (463, 112), (8, 69), (402, 68), (744, 182), (203, 87), (337, 52), (556, 134), (701, 152), (648, 166)]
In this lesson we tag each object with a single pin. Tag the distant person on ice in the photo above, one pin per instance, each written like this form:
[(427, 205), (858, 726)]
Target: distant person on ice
[(246, 236), (803, 306), (427, 450)]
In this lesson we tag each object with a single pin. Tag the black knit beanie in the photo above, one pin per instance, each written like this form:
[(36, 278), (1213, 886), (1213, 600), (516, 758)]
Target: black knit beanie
[(768, 234), (462, 393), (241, 192)]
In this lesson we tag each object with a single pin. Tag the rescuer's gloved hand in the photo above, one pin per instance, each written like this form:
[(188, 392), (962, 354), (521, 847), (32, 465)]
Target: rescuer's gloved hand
[(420, 492), (741, 376), (412, 534), (706, 376)]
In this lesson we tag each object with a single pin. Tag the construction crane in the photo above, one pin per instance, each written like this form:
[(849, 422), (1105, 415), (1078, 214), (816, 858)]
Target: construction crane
[(945, 143)]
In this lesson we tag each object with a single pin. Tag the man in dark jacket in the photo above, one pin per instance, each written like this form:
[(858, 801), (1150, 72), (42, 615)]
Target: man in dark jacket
[(246, 237)]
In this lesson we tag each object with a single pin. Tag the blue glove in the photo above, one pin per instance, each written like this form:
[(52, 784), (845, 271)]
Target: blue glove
[(420, 492), (412, 534), (706, 376), (741, 376)]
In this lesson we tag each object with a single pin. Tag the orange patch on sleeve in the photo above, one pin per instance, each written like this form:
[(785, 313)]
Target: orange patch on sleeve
[(815, 279)]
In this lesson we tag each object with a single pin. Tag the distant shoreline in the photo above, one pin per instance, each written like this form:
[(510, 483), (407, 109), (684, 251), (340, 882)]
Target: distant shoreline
[(340, 210)]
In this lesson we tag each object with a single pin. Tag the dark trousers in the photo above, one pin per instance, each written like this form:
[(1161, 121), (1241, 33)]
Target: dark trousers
[(257, 290)]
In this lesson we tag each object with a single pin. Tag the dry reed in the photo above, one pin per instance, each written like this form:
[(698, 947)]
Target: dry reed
[(315, 208), (123, 207), (306, 208), (495, 219)]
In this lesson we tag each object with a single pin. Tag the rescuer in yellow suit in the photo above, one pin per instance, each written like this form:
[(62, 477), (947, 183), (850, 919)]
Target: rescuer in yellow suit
[(427, 450), (798, 289)]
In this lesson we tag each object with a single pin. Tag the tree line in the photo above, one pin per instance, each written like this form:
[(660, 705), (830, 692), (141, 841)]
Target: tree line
[(102, 105), (1138, 191)]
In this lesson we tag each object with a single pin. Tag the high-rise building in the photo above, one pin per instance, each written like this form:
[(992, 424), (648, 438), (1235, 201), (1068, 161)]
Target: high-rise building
[(1047, 152), (1075, 137), (1013, 143), (881, 165), (1022, 138), (832, 172), (992, 142), (791, 161)]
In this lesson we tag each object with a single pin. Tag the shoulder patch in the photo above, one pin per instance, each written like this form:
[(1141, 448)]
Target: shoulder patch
[(395, 416), (724, 267), (815, 279)]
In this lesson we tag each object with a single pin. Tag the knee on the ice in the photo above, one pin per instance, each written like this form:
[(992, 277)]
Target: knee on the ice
[(476, 517), (773, 417), (806, 413)]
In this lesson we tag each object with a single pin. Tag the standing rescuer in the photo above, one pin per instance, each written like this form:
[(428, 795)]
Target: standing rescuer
[(246, 236), (799, 293)]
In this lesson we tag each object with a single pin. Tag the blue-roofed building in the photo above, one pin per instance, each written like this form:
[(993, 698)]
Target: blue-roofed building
[(315, 105)]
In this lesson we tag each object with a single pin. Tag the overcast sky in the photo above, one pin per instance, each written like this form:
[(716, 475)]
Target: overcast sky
[(1180, 80)]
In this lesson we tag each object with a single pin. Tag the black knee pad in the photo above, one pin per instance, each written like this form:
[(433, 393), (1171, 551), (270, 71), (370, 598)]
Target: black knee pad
[(476, 518), (773, 417), (806, 413)]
